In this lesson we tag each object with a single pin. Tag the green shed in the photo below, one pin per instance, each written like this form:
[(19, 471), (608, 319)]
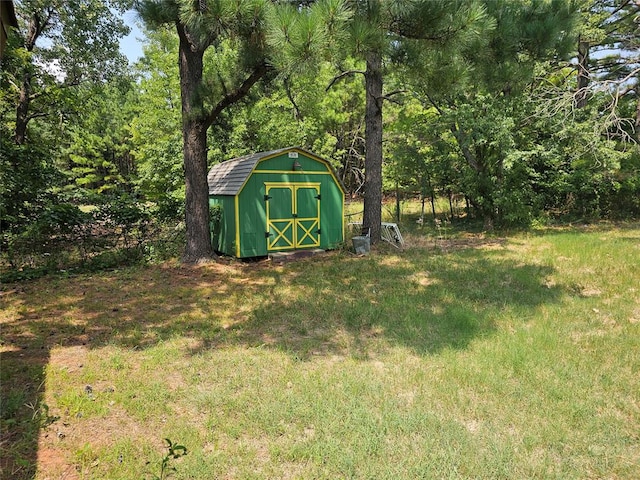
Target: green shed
[(277, 201)]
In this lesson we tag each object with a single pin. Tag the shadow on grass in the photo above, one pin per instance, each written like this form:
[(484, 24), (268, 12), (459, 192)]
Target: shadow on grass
[(333, 305), (580, 227), (425, 305)]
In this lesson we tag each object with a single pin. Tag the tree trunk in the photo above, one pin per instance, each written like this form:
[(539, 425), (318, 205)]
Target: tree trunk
[(198, 247), (583, 74), (397, 202), (485, 197), (194, 135), (372, 217), (22, 110), (24, 100), (431, 197)]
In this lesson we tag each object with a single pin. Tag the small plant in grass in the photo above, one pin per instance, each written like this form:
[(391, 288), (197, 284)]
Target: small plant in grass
[(173, 451), (41, 416)]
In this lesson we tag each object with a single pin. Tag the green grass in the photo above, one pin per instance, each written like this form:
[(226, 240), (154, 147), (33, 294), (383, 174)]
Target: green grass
[(460, 357)]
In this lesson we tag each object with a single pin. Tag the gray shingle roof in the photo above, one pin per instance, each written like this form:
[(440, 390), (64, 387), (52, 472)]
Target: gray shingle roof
[(227, 178)]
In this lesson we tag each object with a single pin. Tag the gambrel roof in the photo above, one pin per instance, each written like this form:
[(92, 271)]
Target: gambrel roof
[(227, 178)]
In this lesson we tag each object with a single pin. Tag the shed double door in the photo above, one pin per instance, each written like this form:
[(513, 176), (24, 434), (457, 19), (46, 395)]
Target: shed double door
[(293, 215)]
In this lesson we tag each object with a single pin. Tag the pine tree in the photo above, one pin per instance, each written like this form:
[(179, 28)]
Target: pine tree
[(387, 31), (478, 91), (608, 57)]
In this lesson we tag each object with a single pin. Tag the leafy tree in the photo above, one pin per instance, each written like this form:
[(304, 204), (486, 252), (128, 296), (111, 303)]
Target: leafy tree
[(299, 111), (26, 174), (58, 46), (423, 156), (156, 127), (577, 172)]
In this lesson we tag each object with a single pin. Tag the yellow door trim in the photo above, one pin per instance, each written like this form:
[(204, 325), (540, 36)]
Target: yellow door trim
[(280, 234), (295, 223)]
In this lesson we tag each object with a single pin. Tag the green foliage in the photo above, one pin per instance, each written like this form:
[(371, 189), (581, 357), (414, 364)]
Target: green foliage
[(59, 45), (298, 43), (117, 231), (215, 213), (174, 451), (60, 219), (300, 111), (515, 202), (26, 175), (156, 126), (628, 201), (98, 156), (476, 93), (126, 217), (469, 117)]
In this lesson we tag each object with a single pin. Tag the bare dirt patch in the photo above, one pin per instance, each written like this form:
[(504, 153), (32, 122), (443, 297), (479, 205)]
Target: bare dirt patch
[(52, 461)]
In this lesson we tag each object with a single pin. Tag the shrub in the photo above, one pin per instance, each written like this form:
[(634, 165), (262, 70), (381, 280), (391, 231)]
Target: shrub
[(117, 231)]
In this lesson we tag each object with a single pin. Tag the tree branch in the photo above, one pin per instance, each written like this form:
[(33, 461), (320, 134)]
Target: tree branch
[(287, 89), (37, 115), (445, 34), (341, 76), (238, 94), (225, 91), (460, 136), (391, 94), (434, 104), (47, 91)]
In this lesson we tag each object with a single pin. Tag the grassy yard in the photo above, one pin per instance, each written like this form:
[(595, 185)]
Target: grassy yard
[(460, 357)]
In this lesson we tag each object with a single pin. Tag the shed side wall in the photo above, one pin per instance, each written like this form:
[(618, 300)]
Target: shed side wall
[(252, 218), (224, 235)]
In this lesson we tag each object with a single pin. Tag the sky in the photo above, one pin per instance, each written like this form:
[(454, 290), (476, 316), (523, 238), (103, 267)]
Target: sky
[(130, 45)]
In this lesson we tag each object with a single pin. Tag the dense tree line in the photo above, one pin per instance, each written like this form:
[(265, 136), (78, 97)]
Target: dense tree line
[(529, 110)]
